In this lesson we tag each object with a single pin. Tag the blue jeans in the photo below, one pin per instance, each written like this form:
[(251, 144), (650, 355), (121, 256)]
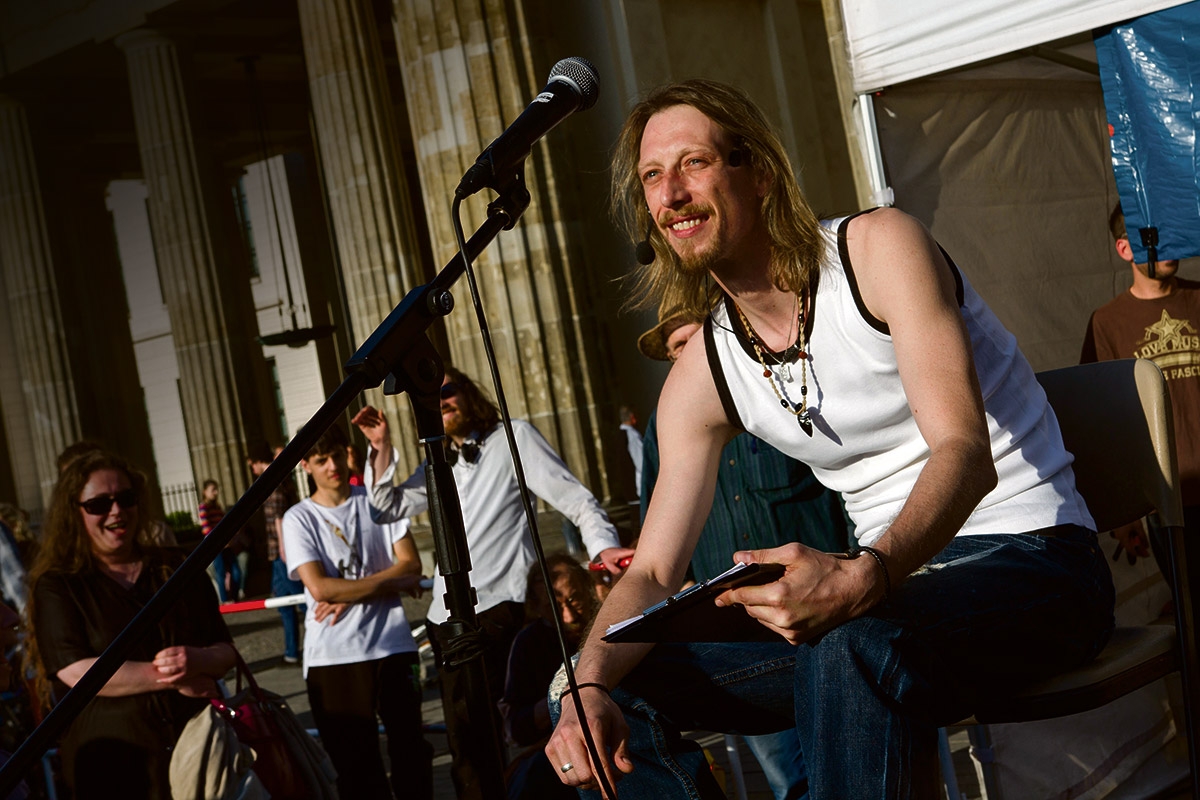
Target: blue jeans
[(782, 764), (283, 586), (867, 697), (226, 562)]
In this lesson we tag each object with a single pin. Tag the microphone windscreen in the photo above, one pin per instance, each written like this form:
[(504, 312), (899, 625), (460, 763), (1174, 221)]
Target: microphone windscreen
[(580, 73), (645, 253)]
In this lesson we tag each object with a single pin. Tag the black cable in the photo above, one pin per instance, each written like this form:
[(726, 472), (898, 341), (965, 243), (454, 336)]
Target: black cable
[(530, 515)]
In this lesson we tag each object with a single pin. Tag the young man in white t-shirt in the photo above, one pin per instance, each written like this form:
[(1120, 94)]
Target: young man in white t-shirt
[(359, 655)]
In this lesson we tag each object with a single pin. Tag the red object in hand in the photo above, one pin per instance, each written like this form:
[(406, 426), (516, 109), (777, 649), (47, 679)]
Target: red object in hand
[(596, 566)]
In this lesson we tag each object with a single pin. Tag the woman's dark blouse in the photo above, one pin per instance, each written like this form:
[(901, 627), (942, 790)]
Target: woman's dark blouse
[(121, 746)]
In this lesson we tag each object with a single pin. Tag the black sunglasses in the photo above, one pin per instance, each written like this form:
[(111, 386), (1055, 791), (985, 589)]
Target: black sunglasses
[(102, 504), (449, 390)]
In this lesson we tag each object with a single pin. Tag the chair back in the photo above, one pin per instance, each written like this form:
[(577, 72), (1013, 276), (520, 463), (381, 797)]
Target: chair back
[(1115, 418)]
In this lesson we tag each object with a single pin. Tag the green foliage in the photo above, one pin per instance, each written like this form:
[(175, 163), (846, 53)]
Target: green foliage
[(181, 521)]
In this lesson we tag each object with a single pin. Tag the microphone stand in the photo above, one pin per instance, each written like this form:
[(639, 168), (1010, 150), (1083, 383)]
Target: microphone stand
[(399, 353)]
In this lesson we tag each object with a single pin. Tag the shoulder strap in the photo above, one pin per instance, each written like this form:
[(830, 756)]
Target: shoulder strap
[(718, 375)]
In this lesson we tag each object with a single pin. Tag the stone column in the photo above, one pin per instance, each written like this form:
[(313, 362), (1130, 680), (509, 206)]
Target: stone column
[(206, 285), (469, 69), (95, 314), (364, 176), (48, 392)]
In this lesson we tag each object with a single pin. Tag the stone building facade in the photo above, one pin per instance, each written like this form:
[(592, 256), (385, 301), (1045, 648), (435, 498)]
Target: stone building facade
[(180, 179)]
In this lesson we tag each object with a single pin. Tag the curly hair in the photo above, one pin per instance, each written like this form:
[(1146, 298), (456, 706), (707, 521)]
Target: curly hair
[(796, 243), (66, 547)]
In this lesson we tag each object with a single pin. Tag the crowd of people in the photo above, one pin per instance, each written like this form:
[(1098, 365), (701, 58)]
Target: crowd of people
[(840, 401)]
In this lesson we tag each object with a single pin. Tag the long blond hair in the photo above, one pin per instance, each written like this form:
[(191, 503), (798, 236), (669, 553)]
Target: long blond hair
[(796, 245), (65, 545)]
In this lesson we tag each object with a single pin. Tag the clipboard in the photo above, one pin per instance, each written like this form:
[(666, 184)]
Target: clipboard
[(691, 616)]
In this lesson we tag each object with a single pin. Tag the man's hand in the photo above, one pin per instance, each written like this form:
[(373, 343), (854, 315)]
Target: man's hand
[(567, 745), (816, 592), (374, 427), (332, 611), (611, 557), (1132, 539)]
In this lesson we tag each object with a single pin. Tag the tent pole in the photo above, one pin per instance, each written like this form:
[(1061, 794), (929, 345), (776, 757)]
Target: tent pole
[(881, 193)]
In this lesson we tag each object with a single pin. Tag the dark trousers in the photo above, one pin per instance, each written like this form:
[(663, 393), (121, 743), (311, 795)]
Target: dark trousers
[(345, 699), (468, 744)]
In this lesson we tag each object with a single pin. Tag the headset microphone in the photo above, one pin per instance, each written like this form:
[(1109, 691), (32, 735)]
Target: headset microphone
[(645, 251)]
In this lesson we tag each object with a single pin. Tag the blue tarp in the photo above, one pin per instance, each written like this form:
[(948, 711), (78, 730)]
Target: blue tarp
[(1150, 71)]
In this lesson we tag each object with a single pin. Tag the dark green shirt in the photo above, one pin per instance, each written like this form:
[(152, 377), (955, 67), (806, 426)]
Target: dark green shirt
[(763, 499)]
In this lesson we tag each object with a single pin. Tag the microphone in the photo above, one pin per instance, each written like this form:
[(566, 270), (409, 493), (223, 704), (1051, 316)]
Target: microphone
[(573, 86)]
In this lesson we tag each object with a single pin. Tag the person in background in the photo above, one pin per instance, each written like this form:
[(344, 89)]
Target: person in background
[(354, 462), (161, 534), (535, 656), (498, 537), (228, 569), (360, 660), (16, 519), (283, 498), (633, 439), (95, 572), (1158, 318)]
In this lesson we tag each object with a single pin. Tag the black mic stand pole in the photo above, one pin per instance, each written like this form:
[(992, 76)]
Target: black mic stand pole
[(399, 352)]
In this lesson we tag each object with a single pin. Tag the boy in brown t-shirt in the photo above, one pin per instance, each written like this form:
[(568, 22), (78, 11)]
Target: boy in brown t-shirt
[(1158, 318)]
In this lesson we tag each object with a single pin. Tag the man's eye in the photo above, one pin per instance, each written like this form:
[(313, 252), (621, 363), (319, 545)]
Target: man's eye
[(650, 175)]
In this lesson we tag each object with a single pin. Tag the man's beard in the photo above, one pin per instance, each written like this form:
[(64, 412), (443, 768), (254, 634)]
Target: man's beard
[(459, 425)]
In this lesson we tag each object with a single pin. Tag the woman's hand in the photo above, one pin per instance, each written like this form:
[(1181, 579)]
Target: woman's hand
[(197, 686), (176, 665)]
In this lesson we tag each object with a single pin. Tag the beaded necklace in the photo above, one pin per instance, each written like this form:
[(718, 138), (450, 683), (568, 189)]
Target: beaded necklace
[(796, 350)]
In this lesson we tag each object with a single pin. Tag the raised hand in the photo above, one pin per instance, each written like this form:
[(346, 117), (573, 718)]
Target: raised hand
[(374, 427)]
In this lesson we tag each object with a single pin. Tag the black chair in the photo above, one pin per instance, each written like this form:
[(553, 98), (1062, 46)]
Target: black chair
[(1116, 420)]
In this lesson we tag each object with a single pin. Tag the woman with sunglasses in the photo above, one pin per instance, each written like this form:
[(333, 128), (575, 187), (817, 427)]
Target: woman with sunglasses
[(96, 570)]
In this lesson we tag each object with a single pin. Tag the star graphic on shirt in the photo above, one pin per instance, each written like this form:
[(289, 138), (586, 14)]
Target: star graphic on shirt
[(1166, 328)]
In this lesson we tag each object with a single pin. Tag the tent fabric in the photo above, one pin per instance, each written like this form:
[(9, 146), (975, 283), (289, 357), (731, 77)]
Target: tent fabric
[(889, 43), (1150, 73), (1012, 178)]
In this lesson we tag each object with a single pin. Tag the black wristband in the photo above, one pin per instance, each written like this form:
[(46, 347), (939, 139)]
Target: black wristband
[(887, 579), (599, 686)]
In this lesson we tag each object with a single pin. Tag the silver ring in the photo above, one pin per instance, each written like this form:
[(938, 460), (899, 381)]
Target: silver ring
[(567, 767)]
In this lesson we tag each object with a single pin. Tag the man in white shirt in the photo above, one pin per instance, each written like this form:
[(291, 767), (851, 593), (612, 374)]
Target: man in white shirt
[(634, 441), (498, 537), (359, 655)]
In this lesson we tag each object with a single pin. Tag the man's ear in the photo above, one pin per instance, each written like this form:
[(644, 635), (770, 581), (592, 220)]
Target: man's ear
[(304, 464), (1124, 249), (762, 183)]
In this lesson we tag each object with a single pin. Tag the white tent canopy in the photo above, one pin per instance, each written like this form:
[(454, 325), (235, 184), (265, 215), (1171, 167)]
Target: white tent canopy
[(891, 42)]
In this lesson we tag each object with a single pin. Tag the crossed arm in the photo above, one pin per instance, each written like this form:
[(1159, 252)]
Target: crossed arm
[(333, 595), (191, 671)]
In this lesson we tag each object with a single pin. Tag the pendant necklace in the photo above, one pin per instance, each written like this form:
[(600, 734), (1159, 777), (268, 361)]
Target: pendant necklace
[(795, 350)]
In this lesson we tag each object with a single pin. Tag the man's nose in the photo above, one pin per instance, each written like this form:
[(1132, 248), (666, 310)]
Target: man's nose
[(673, 189)]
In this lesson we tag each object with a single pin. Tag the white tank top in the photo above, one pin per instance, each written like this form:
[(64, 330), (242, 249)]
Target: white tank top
[(865, 442)]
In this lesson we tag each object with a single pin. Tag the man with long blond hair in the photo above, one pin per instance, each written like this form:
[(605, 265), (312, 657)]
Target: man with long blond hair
[(859, 348)]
